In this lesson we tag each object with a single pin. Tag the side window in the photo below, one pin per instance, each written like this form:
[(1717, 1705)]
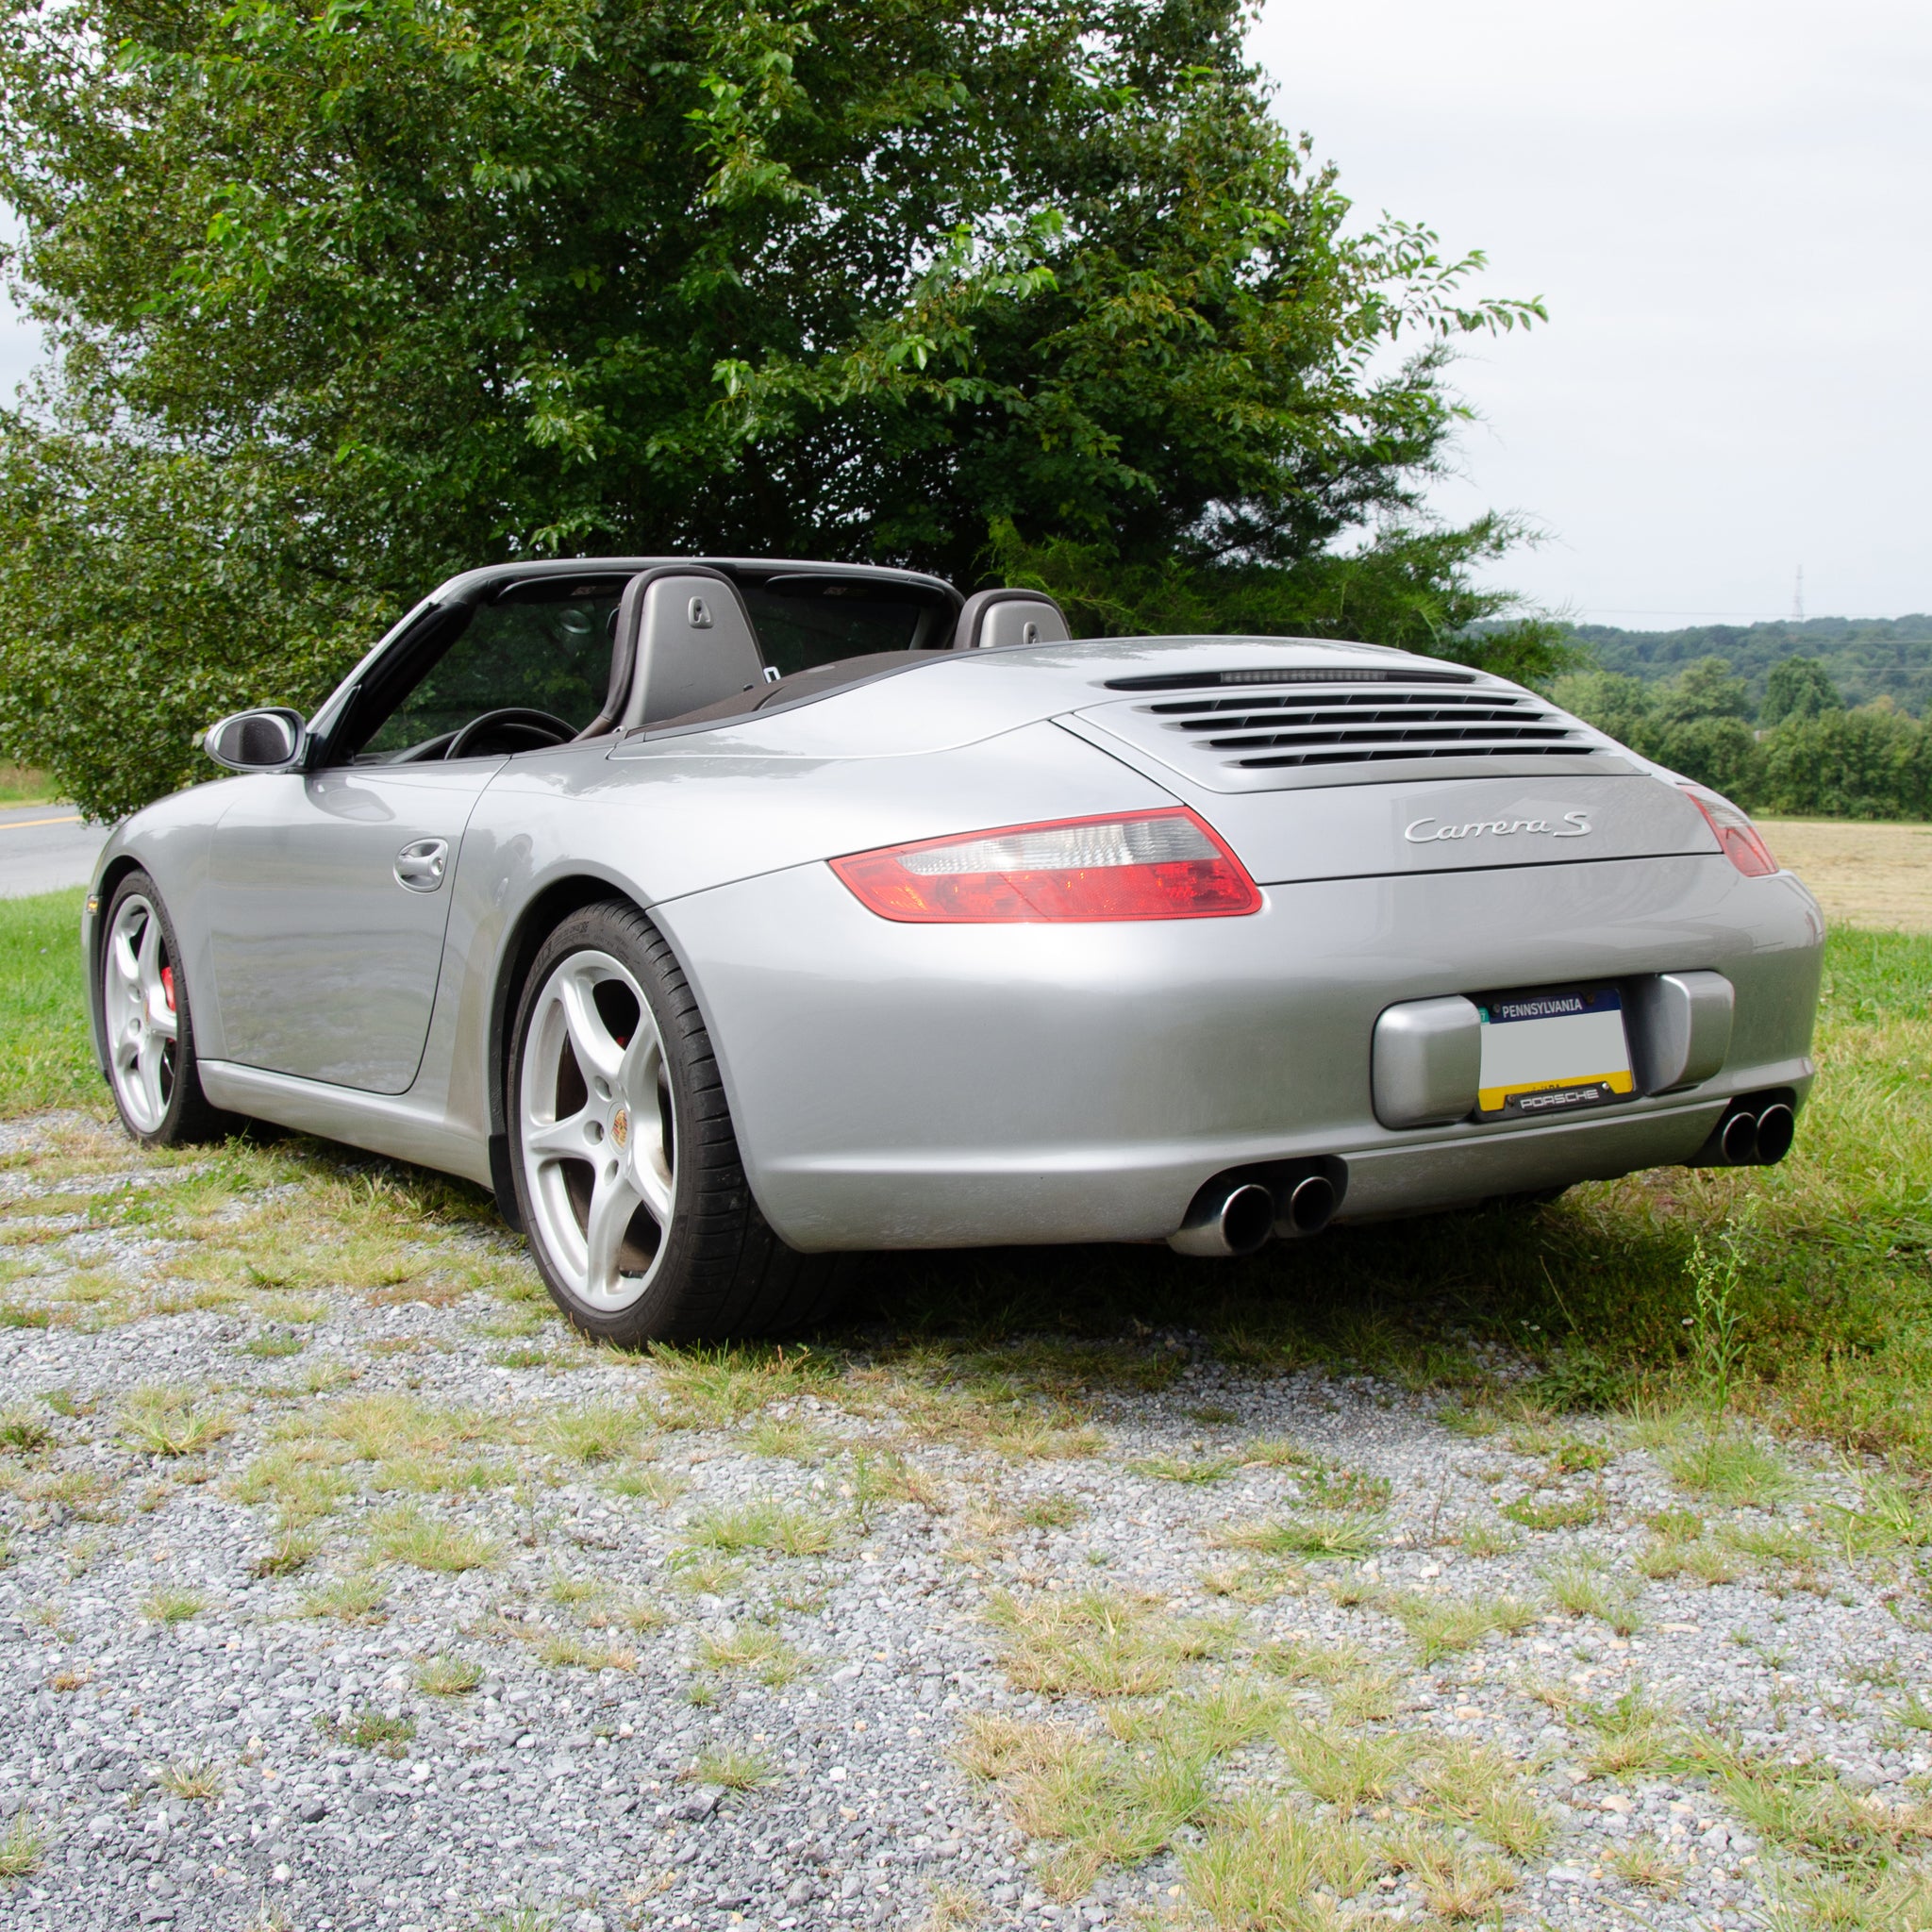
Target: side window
[(550, 655)]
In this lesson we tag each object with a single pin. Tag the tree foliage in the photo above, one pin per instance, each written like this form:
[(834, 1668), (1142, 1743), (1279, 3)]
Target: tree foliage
[(1873, 763), (1810, 755), (1862, 658), (346, 294), (1799, 688)]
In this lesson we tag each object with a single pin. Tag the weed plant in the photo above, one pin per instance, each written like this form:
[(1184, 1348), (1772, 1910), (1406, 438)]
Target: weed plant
[(448, 1677), (736, 1770), (21, 1847)]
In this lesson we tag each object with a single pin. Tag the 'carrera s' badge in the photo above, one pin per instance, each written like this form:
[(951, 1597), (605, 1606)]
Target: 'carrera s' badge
[(1574, 824)]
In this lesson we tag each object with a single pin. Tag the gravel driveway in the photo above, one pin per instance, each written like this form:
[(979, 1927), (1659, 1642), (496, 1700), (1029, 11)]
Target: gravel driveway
[(346, 1593)]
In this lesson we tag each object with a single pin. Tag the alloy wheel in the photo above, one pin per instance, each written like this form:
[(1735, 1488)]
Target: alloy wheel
[(143, 1024), (597, 1130)]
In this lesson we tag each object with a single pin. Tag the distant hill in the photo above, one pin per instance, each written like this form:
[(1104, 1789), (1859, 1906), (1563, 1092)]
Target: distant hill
[(1865, 655)]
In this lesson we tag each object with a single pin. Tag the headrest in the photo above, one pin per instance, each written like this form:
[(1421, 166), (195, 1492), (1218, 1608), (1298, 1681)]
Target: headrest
[(1010, 617), (684, 640)]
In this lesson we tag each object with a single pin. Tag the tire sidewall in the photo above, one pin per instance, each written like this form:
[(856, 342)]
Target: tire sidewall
[(622, 932), (181, 1101)]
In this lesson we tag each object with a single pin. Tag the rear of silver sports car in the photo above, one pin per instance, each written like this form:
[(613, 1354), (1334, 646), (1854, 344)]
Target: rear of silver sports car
[(1239, 938)]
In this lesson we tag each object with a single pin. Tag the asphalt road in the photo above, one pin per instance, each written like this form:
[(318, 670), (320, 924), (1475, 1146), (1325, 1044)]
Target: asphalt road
[(44, 849)]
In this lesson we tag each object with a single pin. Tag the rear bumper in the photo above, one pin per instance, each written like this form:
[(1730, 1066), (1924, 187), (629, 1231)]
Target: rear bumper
[(899, 1086)]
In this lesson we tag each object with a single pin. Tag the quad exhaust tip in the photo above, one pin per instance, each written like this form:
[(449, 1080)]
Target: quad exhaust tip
[(1754, 1131), (1226, 1220), (1309, 1206), (1238, 1212), (1778, 1126)]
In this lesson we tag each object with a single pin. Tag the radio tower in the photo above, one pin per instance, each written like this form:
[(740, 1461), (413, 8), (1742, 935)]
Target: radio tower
[(1798, 597)]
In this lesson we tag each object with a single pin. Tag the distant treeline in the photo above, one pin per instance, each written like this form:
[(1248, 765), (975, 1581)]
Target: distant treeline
[(1793, 746), (1864, 657)]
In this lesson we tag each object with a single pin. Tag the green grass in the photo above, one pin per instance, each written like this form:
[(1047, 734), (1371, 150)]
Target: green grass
[(45, 1057), (736, 1770), (24, 785), (370, 1730), (763, 1525), (1093, 1804), (292, 1551), (448, 1677), (1101, 1645), (1320, 1533), (173, 1605), (1566, 1514), (19, 1850), (1442, 1624)]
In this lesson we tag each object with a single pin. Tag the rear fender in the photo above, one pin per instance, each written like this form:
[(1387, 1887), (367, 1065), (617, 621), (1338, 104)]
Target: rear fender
[(557, 830)]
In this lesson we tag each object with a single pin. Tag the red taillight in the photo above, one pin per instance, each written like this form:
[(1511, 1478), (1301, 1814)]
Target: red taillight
[(1735, 833), (1161, 864)]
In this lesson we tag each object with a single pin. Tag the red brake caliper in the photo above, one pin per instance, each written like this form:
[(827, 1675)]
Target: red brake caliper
[(168, 986)]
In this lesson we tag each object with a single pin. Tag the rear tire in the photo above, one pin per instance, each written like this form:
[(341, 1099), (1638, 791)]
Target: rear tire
[(626, 1171), (148, 1023)]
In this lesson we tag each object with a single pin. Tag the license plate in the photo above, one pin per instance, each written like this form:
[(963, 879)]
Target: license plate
[(1552, 1050)]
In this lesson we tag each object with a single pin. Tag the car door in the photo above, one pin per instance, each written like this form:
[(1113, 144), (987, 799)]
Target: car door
[(329, 888), (329, 894)]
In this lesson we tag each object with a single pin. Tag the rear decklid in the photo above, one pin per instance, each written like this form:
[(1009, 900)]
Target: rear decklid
[(1315, 760), (1339, 770)]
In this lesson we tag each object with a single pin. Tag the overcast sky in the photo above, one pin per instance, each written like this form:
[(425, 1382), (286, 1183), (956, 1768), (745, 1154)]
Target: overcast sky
[(1728, 209)]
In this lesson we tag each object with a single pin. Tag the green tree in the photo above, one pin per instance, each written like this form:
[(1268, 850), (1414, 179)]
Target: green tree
[(1863, 657), (1697, 725), (1874, 762), (136, 605), (345, 294), (1720, 752), (1700, 691), (1798, 687), (1614, 704), (1694, 723)]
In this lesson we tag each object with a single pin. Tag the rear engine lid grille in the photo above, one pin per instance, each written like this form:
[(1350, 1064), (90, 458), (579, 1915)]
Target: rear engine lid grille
[(1311, 726), (1297, 729)]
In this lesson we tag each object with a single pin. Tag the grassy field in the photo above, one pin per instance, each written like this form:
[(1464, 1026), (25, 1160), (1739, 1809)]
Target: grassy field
[(1876, 875), (1818, 1274), (22, 785), (44, 1050)]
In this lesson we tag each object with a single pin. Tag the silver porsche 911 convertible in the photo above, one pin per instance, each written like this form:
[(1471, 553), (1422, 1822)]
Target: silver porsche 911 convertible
[(724, 917)]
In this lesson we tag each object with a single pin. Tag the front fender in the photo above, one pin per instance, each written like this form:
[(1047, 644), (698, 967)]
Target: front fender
[(169, 840)]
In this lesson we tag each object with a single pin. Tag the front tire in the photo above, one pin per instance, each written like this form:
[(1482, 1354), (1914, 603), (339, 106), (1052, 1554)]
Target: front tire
[(149, 1025), (627, 1170)]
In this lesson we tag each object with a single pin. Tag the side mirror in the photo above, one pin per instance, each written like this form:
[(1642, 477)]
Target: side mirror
[(273, 740)]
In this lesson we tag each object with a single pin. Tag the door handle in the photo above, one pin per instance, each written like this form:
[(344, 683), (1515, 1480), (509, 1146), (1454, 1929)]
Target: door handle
[(420, 864)]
